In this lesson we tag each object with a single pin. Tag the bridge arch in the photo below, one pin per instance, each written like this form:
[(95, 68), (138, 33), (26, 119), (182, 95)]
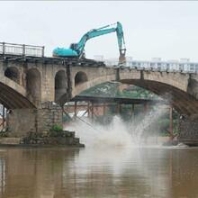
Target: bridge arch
[(60, 85), (13, 74), (33, 83), (182, 101), (80, 78), (171, 90), (12, 95)]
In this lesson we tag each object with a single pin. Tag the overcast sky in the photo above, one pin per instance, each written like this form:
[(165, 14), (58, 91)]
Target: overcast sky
[(166, 29)]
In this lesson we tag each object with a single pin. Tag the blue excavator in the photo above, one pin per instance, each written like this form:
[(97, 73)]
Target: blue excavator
[(77, 49)]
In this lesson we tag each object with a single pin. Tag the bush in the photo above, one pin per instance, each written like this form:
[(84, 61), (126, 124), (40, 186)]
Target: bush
[(56, 131), (57, 128)]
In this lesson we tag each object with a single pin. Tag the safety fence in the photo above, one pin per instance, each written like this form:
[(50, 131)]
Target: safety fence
[(20, 49)]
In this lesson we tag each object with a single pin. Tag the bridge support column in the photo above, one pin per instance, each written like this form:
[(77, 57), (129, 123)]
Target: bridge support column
[(104, 108), (133, 112), (118, 109), (92, 111), (188, 130), (41, 120), (89, 110), (75, 110), (171, 123), (145, 108)]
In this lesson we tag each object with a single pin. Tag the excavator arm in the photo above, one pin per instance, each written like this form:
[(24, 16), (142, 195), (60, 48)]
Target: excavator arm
[(121, 43), (77, 49)]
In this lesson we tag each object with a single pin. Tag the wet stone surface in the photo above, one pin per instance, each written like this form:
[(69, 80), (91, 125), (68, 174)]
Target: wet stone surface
[(189, 130), (66, 138)]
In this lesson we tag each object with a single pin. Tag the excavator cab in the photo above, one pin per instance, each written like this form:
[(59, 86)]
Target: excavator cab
[(73, 46)]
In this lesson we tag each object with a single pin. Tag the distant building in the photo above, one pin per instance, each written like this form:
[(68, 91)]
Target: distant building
[(156, 59), (184, 60), (157, 63), (99, 57)]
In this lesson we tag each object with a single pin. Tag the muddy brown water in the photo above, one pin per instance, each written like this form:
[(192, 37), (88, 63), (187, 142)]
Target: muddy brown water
[(136, 172)]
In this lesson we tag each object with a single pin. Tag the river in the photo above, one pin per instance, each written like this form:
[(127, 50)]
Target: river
[(110, 166)]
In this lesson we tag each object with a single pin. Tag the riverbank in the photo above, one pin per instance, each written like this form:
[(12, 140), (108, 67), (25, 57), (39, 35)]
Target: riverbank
[(16, 142), (51, 138)]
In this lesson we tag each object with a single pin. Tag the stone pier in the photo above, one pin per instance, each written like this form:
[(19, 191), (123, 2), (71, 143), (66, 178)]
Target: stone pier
[(42, 126), (188, 130), (41, 120)]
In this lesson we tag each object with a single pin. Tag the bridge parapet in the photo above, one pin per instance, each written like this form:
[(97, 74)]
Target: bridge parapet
[(21, 49), (182, 66)]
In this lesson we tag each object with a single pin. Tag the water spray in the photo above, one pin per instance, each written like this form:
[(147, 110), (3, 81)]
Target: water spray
[(117, 133)]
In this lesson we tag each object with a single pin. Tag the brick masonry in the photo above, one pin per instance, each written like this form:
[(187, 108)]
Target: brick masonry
[(22, 121), (188, 129)]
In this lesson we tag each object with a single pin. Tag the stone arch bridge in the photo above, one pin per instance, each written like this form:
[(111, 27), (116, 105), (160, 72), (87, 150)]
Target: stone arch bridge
[(29, 85)]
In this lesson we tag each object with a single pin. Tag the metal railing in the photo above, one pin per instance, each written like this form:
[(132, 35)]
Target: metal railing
[(188, 67), (20, 49)]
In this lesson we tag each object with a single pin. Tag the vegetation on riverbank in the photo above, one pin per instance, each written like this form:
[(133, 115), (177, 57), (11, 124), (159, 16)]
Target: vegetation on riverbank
[(56, 136)]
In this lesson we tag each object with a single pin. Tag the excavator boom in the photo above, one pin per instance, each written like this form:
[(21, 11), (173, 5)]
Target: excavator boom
[(77, 49)]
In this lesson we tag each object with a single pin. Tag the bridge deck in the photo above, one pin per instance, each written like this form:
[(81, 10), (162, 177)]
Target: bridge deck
[(50, 60)]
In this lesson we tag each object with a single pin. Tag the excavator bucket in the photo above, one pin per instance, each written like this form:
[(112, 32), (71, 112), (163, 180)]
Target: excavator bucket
[(122, 59)]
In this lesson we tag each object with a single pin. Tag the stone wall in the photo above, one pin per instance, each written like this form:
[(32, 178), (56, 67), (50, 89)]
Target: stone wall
[(22, 121), (48, 115), (189, 130)]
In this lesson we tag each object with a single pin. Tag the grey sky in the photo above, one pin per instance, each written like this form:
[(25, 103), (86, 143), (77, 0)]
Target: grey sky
[(166, 29)]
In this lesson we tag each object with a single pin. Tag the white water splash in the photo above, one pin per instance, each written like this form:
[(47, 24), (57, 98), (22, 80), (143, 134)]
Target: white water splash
[(117, 133), (138, 130)]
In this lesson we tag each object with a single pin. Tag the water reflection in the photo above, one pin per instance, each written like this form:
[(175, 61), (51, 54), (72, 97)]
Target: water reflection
[(2, 175), (134, 172), (185, 173), (127, 172), (111, 165), (34, 172)]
